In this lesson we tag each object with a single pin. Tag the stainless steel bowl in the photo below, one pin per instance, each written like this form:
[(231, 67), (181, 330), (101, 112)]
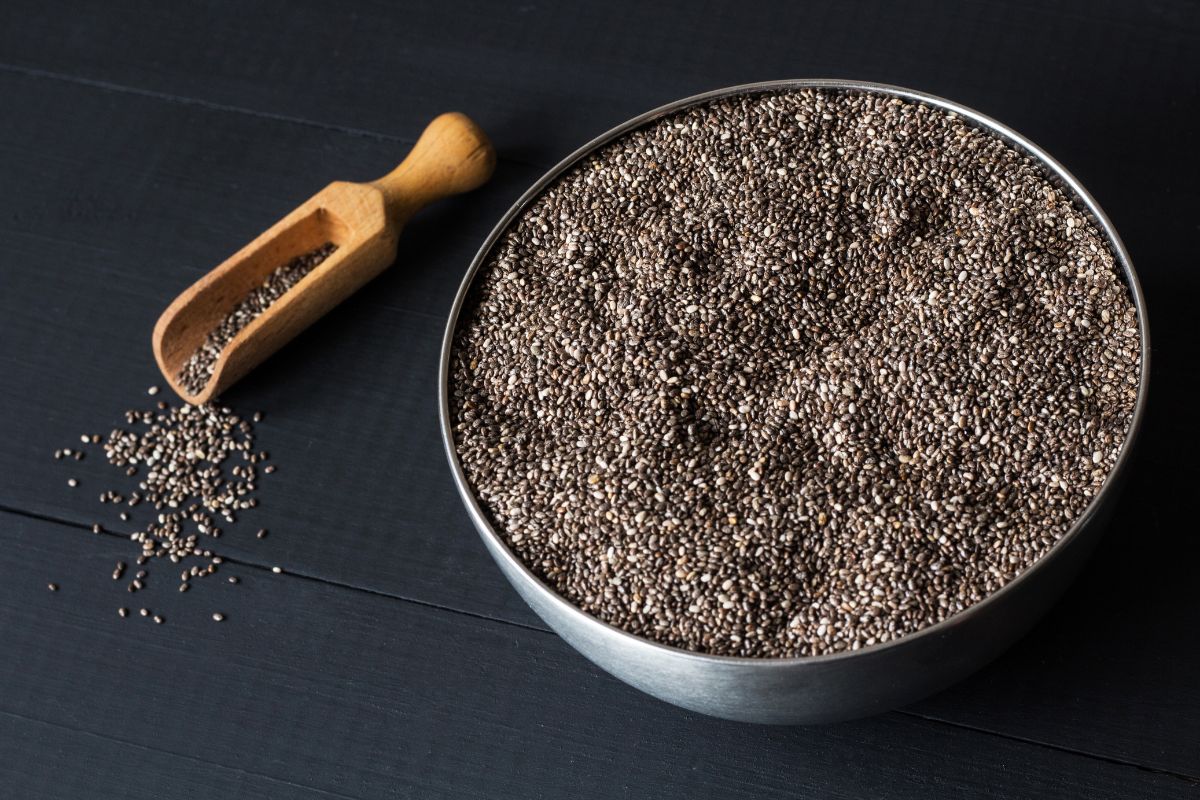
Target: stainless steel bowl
[(828, 687)]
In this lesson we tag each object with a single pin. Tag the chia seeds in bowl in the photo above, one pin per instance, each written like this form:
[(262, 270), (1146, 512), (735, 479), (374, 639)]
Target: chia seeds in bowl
[(793, 373)]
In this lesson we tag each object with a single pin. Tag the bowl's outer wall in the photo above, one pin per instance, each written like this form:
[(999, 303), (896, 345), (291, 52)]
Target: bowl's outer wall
[(843, 685)]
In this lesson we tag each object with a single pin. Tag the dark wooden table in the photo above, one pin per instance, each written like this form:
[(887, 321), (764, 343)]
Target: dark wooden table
[(142, 142)]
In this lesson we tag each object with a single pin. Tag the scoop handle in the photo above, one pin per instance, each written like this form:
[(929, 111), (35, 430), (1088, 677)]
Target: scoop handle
[(452, 156)]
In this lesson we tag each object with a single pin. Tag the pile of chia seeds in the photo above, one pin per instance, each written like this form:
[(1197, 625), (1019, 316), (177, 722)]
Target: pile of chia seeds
[(794, 373), (196, 469), (197, 370)]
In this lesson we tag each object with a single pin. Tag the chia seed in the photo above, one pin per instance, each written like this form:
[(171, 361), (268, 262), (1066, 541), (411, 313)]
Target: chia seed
[(794, 373)]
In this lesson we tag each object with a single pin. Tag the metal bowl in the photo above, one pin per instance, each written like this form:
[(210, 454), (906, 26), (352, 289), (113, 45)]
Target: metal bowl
[(842, 685)]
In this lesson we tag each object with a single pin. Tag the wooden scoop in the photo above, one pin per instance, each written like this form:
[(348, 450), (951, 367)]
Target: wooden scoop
[(363, 219)]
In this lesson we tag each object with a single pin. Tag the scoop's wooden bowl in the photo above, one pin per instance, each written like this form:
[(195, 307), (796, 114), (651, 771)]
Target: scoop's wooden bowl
[(364, 220)]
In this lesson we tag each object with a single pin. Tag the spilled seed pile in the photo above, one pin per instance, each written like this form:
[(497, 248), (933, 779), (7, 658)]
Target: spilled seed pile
[(195, 468), (196, 371), (792, 374)]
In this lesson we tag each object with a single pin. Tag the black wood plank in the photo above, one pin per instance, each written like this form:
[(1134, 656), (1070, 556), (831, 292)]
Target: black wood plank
[(308, 688), (40, 761), (545, 77)]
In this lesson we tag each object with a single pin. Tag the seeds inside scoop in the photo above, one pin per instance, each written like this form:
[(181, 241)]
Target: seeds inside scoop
[(197, 370), (793, 373)]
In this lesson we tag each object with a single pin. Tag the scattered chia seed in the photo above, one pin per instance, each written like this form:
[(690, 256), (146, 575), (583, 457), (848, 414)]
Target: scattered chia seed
[(196, 466), (197, 370), (794, 373)]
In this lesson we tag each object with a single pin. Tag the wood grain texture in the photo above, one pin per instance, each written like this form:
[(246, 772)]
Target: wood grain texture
[(314, 690), (209, 144)]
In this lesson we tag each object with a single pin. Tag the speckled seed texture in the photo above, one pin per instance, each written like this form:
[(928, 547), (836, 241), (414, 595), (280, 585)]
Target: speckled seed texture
[(793, 373)]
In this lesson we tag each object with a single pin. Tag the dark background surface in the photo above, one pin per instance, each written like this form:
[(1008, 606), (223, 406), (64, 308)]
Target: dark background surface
[(141, 144)]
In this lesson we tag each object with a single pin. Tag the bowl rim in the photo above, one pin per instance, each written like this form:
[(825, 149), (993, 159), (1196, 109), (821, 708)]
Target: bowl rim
[(500, 548)]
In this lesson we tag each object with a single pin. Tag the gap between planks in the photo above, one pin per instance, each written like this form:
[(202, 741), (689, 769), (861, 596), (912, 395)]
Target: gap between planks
[(167, 97), (1191, 780), (66, 523)]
